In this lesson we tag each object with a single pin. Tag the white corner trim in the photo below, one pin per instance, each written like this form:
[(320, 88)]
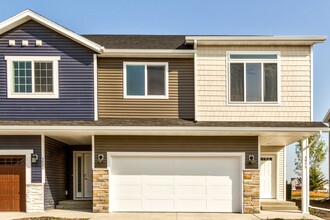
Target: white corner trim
[(312, 82), (93, 152), (28, 165), (32, 95), (96, 110), (195, 79), (284, 173), (259, 152), (43, 159), (30, 15), (146, 96)]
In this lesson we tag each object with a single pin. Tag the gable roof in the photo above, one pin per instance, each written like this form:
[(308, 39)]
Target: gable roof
[(140, 41), (327, 117), (31, 15)]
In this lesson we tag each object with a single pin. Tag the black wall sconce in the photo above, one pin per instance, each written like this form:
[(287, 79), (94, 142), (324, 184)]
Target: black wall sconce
[(100, 158), (251, 159)]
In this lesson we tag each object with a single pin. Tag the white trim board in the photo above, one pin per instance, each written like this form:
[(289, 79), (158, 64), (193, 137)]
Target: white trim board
[(28, 164), (31, 15)]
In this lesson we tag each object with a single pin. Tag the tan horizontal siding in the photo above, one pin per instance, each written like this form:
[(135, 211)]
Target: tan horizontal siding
[(295, 90), (110, 91), (248, 145)]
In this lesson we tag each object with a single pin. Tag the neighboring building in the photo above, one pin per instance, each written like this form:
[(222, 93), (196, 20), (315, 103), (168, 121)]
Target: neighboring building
[(150, 123), (295, 183)]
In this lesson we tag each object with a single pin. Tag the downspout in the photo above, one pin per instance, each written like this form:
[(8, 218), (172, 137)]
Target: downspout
[(195, 81)]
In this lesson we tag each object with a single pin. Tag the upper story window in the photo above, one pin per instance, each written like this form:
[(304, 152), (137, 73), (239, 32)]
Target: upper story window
[(146, 80), (32, 77), (253, 77)]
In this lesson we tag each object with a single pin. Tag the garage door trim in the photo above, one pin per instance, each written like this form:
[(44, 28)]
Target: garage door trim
[(240, 155)]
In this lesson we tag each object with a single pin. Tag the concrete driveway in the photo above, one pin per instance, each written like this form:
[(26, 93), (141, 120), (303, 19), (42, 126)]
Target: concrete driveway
[(157, 216)]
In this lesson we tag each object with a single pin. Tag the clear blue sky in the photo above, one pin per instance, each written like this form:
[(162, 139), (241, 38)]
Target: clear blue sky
[(224, 17)]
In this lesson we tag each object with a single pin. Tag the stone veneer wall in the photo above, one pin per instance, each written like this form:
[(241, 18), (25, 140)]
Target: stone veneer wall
[(251, 191), (100, 190), (35, 197)]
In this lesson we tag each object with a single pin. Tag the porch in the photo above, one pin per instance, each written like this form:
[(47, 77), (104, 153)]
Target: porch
[(68, 174)]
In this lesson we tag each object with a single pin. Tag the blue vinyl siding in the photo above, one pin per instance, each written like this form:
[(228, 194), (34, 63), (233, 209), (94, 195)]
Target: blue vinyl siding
[(76, 86), (14, 142)]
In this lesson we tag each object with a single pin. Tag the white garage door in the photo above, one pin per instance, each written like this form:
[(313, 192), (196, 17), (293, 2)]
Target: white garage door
[(175, 184)]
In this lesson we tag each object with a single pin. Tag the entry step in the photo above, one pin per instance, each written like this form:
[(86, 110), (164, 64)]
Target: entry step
[(278, 205), (75, 204)]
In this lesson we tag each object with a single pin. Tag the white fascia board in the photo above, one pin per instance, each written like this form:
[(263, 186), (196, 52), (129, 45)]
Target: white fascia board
[(96, 129), (307, 40), (30, 15), (327, 117), (147, 53)]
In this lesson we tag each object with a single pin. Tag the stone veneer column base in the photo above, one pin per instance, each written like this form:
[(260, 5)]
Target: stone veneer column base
[(251, 191), (35, 197), (100, 190)]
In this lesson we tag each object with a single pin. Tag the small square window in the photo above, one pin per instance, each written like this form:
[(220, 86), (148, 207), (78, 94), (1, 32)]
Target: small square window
[(32, 77), (145, 80)]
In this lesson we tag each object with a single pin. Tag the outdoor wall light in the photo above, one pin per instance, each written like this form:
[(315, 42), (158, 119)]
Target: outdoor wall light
[(251, 159), (100, 158), (34, 158)]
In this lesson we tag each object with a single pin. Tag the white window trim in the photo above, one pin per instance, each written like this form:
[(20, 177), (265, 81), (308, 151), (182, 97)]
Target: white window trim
[(146, 96), (10, 86), (28, 164), (244, 103)]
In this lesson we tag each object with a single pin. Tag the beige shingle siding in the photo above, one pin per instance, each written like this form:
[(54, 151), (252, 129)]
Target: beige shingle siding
[(280, 169), (295, 91)]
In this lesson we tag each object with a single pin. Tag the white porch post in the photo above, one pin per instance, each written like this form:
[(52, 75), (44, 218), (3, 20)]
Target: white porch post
[(305, 176)]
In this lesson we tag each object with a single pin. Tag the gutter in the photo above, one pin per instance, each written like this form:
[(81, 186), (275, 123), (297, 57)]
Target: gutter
[(285, 39), (42, 128)]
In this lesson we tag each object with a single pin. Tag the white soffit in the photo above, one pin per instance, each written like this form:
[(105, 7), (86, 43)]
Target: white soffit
[(30, 15)]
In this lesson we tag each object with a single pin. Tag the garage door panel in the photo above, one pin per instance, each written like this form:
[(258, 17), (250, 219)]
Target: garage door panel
[(127, 179), (189, 205), (186, 179), (223, 205), (192, 190), (128, 205), (158, 179), (159, 204), (127, 191), (221, 192), (12, 183), (159, 190), (191, 184)]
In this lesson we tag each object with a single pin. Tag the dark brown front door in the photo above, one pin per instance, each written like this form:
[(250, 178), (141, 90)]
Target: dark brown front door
[(12, 183)]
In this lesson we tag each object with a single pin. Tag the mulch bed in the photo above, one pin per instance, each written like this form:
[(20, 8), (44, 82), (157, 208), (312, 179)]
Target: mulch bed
[(317, 203)]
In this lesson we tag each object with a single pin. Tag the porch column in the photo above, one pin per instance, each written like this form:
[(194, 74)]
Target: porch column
[(305, 176)]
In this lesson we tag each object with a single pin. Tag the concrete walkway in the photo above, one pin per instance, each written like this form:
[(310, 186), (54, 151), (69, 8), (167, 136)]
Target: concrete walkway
[(157, 216)]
